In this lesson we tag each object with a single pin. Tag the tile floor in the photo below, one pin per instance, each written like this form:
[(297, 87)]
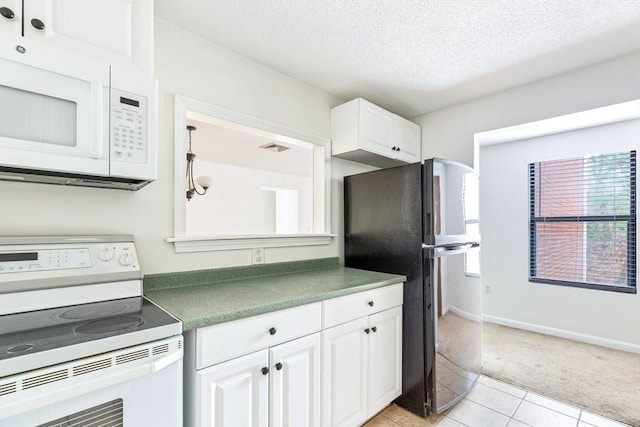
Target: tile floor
[(495, 404)]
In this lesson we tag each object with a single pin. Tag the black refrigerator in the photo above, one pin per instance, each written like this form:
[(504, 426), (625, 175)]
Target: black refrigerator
[(422, 220)]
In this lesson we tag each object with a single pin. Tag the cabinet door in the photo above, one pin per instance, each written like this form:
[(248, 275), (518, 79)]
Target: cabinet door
[(344, 374), (385, 358), (376, 129), (119, 30), (407, 140), (295, 383), (10, 25), (235, 393)]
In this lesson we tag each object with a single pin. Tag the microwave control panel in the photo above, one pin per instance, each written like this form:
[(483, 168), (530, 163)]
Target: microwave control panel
[(128, 130)]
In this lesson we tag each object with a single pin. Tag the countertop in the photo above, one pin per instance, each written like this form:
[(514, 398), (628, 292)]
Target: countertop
[(207, 297)]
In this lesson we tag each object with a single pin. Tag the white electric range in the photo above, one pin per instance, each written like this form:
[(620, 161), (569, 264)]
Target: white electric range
[(79, 344)]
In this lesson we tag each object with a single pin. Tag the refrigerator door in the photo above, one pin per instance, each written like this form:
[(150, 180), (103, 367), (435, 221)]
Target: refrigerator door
[(451, 203), (453, 346)]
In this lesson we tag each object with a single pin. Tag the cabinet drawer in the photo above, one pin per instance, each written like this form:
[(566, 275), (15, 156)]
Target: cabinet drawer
[(343, 309), (225, 341)]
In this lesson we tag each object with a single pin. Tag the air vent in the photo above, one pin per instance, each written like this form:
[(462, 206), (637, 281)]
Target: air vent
[(50, 377), (107, 363), (159, 349), (109, 414), (91, 367), (8, 388), (130, 357), (272, 146)]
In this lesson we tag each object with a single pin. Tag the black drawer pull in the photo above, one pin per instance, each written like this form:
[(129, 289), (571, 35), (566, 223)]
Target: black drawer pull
[(265, 370), (37, 24), (375, 328), (278, 366), (272, 331), (6, 12), (370, 303), (366, 331)]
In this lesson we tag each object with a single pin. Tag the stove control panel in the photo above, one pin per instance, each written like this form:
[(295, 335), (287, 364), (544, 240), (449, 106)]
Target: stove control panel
[(44, 259), (70, 261), (101, 258)]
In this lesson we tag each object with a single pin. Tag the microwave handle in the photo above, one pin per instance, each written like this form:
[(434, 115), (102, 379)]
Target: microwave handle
[(97, 90)]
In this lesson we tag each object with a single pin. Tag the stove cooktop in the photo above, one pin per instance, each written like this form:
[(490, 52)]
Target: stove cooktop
[(46, 337)]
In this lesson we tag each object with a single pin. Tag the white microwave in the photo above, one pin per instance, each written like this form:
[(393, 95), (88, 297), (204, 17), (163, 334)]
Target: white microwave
[(66, 119)]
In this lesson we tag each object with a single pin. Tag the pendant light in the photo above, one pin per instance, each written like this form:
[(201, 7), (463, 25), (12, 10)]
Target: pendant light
[(203, 181)]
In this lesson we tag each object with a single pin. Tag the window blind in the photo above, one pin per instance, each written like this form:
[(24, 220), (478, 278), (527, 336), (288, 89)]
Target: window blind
[(583, 221)]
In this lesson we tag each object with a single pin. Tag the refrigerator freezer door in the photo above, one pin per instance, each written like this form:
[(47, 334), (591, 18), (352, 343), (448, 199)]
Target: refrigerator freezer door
[(454, 354), (451, 203)]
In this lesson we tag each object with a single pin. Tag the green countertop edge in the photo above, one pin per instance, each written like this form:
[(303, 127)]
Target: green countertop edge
[(159, 281), (189, 295)]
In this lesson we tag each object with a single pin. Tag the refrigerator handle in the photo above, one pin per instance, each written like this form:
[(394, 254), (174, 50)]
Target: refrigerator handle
[(452, 246)]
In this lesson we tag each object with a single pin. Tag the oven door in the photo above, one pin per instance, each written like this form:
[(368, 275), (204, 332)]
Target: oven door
[(53, 111), (138, 386)]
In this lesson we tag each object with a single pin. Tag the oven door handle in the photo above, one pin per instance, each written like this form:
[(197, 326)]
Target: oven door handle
[(35, 398)]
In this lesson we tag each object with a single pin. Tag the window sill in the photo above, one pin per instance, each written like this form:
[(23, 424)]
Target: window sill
[(621, 289), (225, 243)]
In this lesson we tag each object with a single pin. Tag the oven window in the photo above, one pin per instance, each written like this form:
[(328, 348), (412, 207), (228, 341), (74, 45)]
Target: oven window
[(31, 116)]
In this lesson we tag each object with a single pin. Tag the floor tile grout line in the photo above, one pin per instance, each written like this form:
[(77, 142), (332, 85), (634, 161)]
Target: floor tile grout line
[(557, 412), (519, 404), (384, 416), (510, 385), (494, 410)]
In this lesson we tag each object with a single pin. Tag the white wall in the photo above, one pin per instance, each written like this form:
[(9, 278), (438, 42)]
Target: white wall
[(253, 210), (188, 65), (449, 133), (505, 219)]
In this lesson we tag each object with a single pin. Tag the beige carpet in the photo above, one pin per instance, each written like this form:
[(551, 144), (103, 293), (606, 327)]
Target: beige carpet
[(597, 379)]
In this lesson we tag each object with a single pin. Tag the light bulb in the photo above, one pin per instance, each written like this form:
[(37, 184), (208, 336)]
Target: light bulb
[(204, 181)]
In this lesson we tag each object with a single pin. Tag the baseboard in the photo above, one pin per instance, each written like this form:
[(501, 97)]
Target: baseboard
[(466, 315), (546, 330)]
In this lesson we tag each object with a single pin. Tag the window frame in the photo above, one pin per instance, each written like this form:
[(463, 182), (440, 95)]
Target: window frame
[(631, 220)]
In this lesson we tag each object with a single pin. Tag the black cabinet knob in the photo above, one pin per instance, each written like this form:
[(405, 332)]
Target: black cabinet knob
[(370, 303), (37, 24), (278, 366), (375, 328), (272, 331), (6, 12), (398, 149), (265, 370), (393, 148), (366, 331)]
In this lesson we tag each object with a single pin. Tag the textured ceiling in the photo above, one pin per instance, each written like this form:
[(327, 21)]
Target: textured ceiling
[(411, 56)]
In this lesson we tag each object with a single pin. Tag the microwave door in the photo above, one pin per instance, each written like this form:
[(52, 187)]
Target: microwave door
[(54, 122)]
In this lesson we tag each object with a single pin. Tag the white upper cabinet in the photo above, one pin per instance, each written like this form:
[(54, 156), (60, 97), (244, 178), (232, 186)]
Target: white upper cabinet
[(119, 32), (365, 133)]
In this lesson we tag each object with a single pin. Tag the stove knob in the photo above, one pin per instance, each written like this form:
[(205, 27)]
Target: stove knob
[(126, 259), (106, 254)]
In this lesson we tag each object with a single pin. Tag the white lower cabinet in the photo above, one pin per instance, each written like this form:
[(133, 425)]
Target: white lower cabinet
[(344, 374), (362, 362), (295, 383), (334, 363), (235, 393), (385, 359), (279, 386)]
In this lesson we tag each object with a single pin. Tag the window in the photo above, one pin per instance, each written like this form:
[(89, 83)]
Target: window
[(583, 222)]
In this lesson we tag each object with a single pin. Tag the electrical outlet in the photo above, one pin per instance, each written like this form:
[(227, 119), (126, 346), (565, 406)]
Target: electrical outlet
[(258, 256)]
